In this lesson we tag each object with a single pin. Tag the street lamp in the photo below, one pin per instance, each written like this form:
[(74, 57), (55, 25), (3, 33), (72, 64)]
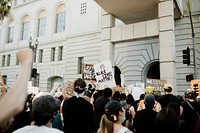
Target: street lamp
[(33, 47)]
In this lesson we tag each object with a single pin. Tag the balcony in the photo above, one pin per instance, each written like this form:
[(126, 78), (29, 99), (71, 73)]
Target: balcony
[(131, 11)]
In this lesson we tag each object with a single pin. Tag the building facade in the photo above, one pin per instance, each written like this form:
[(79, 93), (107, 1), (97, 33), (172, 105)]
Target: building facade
[(142, 39)]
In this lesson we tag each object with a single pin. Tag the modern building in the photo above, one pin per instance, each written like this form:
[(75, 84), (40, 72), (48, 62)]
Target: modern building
[(143, 39)]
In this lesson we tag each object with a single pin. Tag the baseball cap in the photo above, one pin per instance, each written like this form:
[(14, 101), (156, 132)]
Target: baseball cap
[(168, 87), (113, 107)]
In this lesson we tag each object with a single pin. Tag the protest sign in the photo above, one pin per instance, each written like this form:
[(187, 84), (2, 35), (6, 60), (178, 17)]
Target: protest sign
[(136, 90), (104, 75), (88, 72), (156, 84)]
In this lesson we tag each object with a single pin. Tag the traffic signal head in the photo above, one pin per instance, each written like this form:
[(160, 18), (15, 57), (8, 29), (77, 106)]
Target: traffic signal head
[(189, 77), (34, 73), (186, 56)]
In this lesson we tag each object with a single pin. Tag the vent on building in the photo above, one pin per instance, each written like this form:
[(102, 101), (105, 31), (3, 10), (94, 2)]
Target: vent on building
[(83, 8)]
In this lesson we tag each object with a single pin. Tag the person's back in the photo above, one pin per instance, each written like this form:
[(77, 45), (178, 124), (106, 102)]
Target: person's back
[(190, 109), (78, 115), (164, 100), (77, 112), (99, 107), (144, 120)]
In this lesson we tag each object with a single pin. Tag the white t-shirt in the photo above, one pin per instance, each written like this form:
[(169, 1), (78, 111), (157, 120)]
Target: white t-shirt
[(122, 130), (37, 129)]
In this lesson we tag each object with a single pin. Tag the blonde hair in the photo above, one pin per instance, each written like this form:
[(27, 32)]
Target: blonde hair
[(106, 126)]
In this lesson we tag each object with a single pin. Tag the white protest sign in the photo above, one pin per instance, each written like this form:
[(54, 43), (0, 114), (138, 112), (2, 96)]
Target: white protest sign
[(136, 90), (104, 75)]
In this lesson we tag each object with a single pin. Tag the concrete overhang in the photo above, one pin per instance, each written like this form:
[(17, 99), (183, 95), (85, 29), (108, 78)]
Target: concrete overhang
[(131, 11)]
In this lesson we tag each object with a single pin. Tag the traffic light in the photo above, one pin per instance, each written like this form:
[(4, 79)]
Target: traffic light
[(195, 86), (34, 73), (189, 77), (186, 56)]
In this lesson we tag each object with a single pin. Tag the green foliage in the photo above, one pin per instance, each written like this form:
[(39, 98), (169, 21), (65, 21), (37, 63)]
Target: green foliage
[(5, 7)]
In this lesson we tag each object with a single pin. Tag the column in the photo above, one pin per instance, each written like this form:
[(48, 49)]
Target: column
[(107, 47), (167, 42)]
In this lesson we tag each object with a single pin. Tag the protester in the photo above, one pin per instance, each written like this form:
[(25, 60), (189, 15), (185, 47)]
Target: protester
[(144, 120), (99, 106), (111, 121), (116, 96), (13, 102), (179, 111), (77, 112), (167, 122), (43, 110), (164, 100), (191, 111)]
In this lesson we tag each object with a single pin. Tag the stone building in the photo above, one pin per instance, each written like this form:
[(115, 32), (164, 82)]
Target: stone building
[(143, 39)]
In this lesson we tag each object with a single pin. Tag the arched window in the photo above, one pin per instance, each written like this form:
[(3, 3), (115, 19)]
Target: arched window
[(60, 18), (11, 27), (25, 27), (41, 23)]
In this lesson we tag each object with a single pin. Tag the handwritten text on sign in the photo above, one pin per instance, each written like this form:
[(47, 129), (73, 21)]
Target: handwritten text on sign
[(104, 75)]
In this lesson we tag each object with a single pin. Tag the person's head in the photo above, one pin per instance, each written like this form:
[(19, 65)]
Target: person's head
[(167, 121), (168, 88), (129, 99), (89, 86), (175, 107), (114, 111), (79, 86), (107, 92), (116, 96), (149, 101), (43, 109), (191, 95), (122, 97)]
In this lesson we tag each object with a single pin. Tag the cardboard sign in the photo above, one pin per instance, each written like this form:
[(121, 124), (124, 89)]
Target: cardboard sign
[(69, 88), (104, 75), (156, 84), (136, 90), (88, 72)]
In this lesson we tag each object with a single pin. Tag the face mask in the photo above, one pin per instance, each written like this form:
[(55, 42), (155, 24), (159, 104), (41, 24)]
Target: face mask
[(123, 119)]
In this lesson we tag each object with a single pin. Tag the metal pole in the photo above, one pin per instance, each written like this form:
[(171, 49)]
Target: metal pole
[(193, 41)]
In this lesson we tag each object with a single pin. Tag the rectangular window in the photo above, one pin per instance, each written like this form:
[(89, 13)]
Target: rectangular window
[(3, 60), (40, 55), (53, 53), (80, 65), (8, 60), (60, 53), (10, 34), (60, 22), (25, 31), (41, 26)]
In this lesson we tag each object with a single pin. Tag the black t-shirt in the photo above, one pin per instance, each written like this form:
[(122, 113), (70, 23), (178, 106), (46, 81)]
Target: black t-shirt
[(78, 115), (99, 110), (166, 99), (144, 121)]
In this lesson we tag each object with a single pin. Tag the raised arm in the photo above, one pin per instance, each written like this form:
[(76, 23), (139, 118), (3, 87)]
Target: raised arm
[(13, 102)]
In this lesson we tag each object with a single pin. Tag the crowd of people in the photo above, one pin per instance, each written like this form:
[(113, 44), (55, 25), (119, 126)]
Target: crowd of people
[(91, 110)]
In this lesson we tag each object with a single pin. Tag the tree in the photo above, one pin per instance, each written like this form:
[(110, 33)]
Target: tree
[(5, 7)]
